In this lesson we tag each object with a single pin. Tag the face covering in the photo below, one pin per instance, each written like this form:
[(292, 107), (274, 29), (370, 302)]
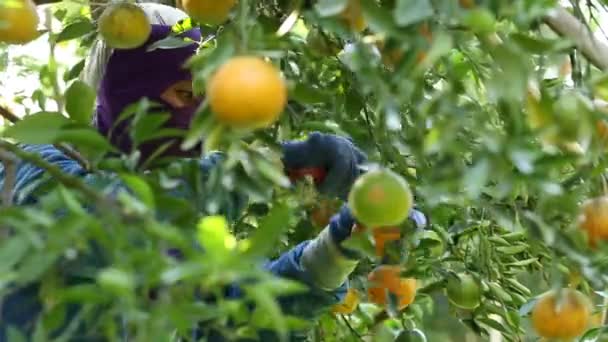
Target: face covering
[(132, 75)]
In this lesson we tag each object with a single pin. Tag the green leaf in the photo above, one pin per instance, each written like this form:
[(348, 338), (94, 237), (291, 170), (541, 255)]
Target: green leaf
[(408, 12), (84, 137), (307, 94), (75, 30), (40, 128), (270, 228), (378, 18), (116, 280), (12, 251), (74, 71), (35, 265), (593, 335), (141, 188), (267, 313), (480, 20), (214, 237), (80, 102), (329, 8), (170, 42)]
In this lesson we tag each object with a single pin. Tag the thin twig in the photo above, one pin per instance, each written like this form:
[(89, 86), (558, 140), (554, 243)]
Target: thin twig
[(67, 150), (56, 173), (9, 163), (351, 328)]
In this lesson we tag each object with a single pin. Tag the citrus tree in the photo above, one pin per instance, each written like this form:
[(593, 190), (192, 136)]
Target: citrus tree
[(487, 114)]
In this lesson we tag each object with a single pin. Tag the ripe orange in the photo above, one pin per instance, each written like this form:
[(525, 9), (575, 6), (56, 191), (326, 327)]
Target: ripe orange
[(561, 314), (349, 304), (602, 130), (380, 198), (18, 21), (247, 92), (594, 219), (426, 32), (353, 16), (464, 291), (384, 235), (212, 12), (467, 3), (386, 279), (124, 26)]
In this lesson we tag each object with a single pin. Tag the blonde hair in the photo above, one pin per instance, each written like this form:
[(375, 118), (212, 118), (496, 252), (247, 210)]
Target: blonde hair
[(100, 53)]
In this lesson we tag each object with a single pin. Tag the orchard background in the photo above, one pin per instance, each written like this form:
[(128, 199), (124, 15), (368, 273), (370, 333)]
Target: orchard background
[(492, 110)]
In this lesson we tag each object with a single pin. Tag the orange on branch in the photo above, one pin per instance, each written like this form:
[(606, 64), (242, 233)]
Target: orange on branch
[(561, 314), (380, 198), (124, 26), (467, 3), (212, 12), (18, 21), (353, 16), (247, 92), (464, 291), (594, 219), (386, 279), (383, 235), (349, 304), (602, 129)]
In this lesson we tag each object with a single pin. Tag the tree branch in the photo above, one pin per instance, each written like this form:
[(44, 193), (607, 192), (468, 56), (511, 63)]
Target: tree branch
[(567, 25), (68, 151), (55, 172), (9, 162)]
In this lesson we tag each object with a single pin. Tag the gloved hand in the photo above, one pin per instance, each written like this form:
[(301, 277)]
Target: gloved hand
[(342, 223), (336, 155)]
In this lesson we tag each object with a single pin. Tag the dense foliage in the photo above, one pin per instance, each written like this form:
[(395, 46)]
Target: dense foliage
[(489, 115)]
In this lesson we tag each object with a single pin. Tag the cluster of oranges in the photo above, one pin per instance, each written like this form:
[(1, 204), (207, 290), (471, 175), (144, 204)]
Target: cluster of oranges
[(566, 313), (383, 200)]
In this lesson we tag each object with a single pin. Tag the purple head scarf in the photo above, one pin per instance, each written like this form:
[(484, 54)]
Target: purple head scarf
[(133, 74)]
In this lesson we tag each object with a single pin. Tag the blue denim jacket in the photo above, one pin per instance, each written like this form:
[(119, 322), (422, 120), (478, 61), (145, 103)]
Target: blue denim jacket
[(21, 307)]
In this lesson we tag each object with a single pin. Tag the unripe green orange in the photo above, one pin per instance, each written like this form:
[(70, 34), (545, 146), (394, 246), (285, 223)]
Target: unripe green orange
[(380, 198), (464, 291)]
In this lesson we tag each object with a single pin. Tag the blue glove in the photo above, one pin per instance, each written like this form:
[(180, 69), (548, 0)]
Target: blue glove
[(342, 223), (338, 156)]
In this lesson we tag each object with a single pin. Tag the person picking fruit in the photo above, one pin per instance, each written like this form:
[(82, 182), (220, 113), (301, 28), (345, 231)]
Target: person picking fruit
[(125, 76)]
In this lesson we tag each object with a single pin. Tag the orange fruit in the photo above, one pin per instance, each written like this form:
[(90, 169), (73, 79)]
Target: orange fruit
[(353, 16), (18, 21), (425, 31), (384, 235), (386, 279), (464, 291), (247, 92), (594, 219), (561, 314), (602, 130), (467, 3), (212, 12), (380, 198), (349, 304), (124, 26)]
